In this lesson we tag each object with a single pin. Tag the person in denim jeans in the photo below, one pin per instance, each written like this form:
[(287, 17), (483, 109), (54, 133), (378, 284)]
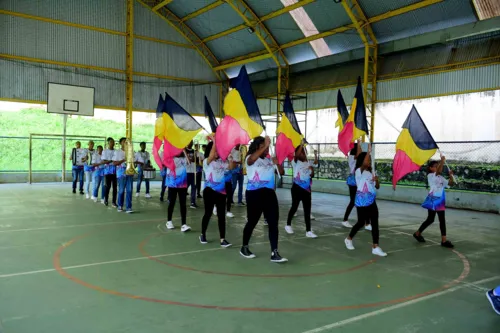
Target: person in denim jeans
[(142, 161), (98, 175), (237, 178), (77, 169), (88, 169), (125, 181)]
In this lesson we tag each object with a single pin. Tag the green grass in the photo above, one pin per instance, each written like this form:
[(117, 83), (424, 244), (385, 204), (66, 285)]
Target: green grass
[(47, 152)]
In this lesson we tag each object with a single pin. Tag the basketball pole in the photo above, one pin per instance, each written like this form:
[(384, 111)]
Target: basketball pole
[(65, 121), (129, 63)]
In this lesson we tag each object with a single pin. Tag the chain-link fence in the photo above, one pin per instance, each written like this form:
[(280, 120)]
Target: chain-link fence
[(476, 164)]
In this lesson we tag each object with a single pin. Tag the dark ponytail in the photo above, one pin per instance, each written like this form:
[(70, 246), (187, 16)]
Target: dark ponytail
[(254, 146)]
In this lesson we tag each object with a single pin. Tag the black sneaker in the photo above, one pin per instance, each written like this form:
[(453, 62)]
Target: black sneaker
[(203, 239), (225, 243), (275, 257), (193, 205), (245, 252), (74, 191), (447, 244), (419, 239), (81, 192), (241, 204), (199, 196), (161, 199)]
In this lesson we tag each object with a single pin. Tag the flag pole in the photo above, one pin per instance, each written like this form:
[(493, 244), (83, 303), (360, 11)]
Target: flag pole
[(455, 179), (273, 154)]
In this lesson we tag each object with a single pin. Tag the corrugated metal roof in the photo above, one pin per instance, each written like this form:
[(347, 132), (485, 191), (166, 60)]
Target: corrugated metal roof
[(345, 41), (174, 61), (183, 7), (61, 43), (252, 67), (265, 7), (284, 29), (214, 21), (151, 25), (373, 8), (90, 12), (326, 14), (299, 53), (327, 76), (236, 44), (435, 17)]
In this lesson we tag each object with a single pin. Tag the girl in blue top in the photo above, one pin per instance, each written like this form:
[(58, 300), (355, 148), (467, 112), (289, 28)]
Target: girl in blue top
[(177, 187), (367, 183), (261, 196), (214, 193)]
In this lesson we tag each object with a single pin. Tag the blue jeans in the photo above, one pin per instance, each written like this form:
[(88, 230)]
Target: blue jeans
[(78, 176), (88, 179), (125, 184), (140, 176), (238, 180), (96, 181), (190, 182)]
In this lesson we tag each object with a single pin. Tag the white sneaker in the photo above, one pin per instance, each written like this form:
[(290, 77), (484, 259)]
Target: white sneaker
[(148, 195), (312, 217), (346, 224), (288, 229), (378, 252), (348, 244), (215, 211), (246, 219), (170, 225), (137, 194), (93, 198), (185, 228), (87, 196), (229, 214), (129, 211), (295, 215), (368, 227), (311, 234), (103, 202)]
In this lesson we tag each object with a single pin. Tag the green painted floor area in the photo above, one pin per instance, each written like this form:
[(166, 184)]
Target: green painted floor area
[(70, 265)]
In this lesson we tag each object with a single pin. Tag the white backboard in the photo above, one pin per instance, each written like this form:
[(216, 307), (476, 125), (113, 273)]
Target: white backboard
[(69, 99)]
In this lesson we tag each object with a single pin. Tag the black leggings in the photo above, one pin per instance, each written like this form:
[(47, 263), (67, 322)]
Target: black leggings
[(260, 201), (368, 213), (173, 192), (229, 197), (431, 215), (298, 195), (212, 198), (198, 182), (352, 195), (110, 179), (163, 187)]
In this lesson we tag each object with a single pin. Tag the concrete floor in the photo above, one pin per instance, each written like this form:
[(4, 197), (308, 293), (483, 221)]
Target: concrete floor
[(70, 265)]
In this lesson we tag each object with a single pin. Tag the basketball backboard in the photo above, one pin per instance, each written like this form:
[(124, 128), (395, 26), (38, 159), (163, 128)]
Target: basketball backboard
[(70, 99)]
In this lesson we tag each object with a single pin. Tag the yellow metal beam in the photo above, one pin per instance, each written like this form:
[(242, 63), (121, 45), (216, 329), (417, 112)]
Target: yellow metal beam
[(202, 10), (129, 57), (99, 68), (187, 33), (161, 5), (242, 62), (269, 16)]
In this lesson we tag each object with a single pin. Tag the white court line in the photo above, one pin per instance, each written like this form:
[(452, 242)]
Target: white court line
[(394, 307)]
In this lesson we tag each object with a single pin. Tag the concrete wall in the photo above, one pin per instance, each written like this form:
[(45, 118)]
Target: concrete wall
[(486, 202)]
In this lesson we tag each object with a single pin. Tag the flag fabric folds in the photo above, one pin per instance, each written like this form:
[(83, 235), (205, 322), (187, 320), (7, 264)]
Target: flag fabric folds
[(288, 132), (342, 112), (356, 125), (242, 121), (415, 146), (175, 128), (210, 115)]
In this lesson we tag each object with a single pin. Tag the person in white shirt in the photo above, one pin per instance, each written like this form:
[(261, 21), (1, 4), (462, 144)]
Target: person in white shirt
[(98, 174), (199, 169), (78, 157), (303, 172), (109, 172), (435, 203), (88, 168), (261, 196), (142, 161), (125, 182), (366, 183), (237, 175)]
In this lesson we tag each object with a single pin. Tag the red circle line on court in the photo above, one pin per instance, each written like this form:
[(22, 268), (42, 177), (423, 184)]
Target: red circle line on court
[(192, 269), (64, 273)]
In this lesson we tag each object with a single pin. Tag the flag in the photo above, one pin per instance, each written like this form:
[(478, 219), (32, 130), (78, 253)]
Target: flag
[(355, 125), (288, 132), (210, 115), (175, 128), (342, 112), (415, 146), (242, 121)]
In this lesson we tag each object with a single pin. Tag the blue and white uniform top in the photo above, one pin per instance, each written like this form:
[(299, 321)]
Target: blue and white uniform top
[(81, 153), (302, 174), (142, 157), (118, 156), (86, 165), (351, 179), (179, 180), (107, 155), (100, 168), (366, 193), (215, 174), (260, 174), (235, 156), (436, 199)]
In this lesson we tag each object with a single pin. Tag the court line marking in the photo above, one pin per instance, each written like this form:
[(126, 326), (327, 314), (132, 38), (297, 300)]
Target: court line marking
[(394, 307)]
